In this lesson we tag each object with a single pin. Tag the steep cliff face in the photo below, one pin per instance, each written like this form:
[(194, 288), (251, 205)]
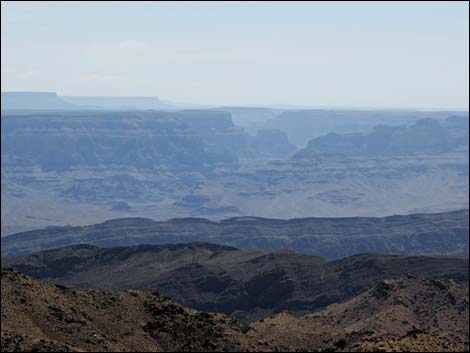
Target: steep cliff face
[(143, 140), (140, 140), (272, 143), (221, 136)]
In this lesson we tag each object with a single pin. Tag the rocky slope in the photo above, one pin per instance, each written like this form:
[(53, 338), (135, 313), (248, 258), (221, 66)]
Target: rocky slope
[(246, 284), (43, 317), (396, 315), (440, 233), (403, 315)]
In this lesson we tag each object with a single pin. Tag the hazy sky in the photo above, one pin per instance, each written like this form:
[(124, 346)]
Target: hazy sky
[(310, 54)]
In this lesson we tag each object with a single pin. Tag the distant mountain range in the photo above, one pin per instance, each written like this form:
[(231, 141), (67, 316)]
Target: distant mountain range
[(427, 234)]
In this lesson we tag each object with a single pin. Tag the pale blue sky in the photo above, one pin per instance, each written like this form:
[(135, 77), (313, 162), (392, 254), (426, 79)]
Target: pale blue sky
[(293, 53)]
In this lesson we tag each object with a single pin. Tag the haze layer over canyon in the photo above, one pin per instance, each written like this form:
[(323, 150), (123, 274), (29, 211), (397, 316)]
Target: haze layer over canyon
[(91, 164)]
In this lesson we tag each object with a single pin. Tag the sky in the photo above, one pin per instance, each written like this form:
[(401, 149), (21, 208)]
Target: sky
[(331, 54)]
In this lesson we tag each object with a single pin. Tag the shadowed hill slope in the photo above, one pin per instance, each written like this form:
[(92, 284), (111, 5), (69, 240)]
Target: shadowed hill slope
[(244, 283)]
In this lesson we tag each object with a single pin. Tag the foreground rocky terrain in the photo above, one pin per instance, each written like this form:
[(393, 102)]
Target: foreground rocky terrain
[(403, 315), (399, 315), (246, 284), (44, 317), (439, 233)]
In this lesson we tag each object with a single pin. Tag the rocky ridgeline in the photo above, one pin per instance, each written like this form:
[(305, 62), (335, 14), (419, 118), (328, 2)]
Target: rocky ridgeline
[(435, 233)]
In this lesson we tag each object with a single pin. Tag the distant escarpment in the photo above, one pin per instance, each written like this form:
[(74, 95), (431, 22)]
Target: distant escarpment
[(426, 234), (247, 284), (54, 142), (148, 140), (304, 125), (425, 136)]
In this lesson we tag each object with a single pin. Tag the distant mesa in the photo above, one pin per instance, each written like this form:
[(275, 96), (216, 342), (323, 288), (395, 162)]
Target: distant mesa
[(115, 102), (51, 101), (35, 100)]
